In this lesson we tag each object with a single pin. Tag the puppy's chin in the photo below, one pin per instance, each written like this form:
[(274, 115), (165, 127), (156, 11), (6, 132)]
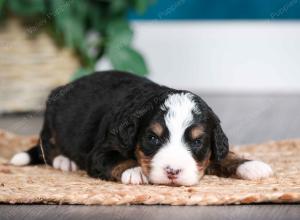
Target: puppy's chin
[(157, 176), (178, 163)]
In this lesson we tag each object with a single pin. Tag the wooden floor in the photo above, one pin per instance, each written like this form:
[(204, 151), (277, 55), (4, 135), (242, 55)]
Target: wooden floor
[(246, 119), (74, 212)]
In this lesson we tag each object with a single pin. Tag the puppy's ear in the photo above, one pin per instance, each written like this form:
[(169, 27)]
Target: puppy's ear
[(127, 122), (128, 133), (219, 141), (220, 146)]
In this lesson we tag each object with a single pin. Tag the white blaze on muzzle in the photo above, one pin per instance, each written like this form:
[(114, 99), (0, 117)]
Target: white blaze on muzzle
[(174, 162)]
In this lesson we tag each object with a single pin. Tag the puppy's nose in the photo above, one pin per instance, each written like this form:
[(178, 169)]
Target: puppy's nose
[(172, 173)]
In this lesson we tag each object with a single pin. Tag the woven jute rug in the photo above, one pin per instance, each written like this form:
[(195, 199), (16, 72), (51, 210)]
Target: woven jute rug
[(41, 184)]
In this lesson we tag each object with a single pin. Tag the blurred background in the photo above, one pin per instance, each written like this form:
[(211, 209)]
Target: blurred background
[(241, 56)]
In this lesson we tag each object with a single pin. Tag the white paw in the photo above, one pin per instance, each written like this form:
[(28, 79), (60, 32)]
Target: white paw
[(20, 159), (254, 170), (134, 176), (63, 163)]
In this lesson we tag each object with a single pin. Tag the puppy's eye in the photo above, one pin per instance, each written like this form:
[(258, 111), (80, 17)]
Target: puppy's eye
[(154, 140), (196, 143)]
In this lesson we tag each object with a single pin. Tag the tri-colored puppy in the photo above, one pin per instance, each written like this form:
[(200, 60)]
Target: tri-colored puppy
[(121, 127)]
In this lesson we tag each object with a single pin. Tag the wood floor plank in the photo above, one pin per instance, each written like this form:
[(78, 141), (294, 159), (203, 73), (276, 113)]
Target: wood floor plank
[(65, 212)]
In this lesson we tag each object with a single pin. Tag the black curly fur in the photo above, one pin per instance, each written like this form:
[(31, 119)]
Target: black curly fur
[(98, 120)]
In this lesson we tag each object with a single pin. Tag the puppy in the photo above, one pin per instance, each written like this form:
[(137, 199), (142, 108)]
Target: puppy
[(121, 127)]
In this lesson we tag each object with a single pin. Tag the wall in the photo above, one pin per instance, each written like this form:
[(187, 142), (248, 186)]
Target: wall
[(216, 56)]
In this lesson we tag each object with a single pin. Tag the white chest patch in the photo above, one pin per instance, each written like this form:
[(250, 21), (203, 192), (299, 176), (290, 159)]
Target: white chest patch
[(175, 155)]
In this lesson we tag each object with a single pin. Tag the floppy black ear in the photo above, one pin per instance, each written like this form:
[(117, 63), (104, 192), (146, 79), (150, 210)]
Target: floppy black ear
[(128, 132), (219, 141), (220, 146), (127, 121)]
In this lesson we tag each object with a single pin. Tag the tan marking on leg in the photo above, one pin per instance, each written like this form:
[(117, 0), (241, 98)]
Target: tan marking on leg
[(121, 167), (226, 167), (144, 161), (202, 165)]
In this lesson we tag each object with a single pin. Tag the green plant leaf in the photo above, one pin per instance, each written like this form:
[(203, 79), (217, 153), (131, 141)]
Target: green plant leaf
[(27, 8), (118, 6), (96, 18), (74, 33), (69, 21), (1, 4), (140, 5), (81, 72), (80, 10), (60, 14), (119, 34), (127, 59)]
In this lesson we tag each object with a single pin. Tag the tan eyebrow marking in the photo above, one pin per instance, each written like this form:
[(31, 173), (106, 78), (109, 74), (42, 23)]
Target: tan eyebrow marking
[(157, 128), (197, 132)]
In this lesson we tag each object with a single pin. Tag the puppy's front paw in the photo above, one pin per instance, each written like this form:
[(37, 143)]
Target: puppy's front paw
[(254, 170), (63, 163), (134, 176)]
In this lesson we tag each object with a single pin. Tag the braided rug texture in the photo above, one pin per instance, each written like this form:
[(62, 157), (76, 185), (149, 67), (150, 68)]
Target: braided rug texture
[(41, 184)]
